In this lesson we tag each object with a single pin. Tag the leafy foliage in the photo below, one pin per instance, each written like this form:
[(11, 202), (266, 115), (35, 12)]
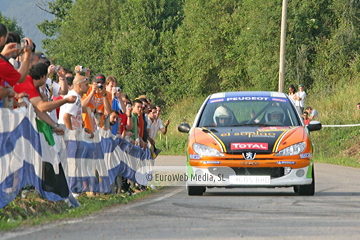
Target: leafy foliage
[(59, 9), (11, 24), (171, 50)]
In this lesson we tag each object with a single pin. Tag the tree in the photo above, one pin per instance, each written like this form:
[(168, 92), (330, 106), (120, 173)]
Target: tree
[(201, 45), (11, 24), (143, 47), (59, 9), (131, 40)]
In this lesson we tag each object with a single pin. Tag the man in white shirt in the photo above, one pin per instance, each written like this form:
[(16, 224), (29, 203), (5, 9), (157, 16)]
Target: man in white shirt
[(154, 128), (156, 123), (71, 113), (300, 99)]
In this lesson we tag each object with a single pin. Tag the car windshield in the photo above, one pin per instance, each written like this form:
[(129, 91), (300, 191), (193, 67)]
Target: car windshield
[(254, 111)]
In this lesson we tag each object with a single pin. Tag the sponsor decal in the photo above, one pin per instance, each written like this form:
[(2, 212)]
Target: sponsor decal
[(216, 100), (250, 163), (255, 146), (249, 155), (263, 129), (279, 100), (255, 134), (286, 162), (211, 162), (305, 155), (247, 98), (194, 156), (250, 134)]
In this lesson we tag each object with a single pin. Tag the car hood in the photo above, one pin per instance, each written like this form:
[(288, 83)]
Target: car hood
[(235, 140)]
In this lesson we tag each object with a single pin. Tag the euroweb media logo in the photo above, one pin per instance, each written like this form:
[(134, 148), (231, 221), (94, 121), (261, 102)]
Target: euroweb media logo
[(183, 175)]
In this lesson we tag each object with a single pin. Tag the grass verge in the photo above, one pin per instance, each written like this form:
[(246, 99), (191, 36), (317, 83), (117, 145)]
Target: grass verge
[(343, 161), (34, 210)]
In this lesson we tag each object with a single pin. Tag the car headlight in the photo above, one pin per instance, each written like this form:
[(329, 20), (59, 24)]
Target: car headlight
[(203, 150), (292, 150)]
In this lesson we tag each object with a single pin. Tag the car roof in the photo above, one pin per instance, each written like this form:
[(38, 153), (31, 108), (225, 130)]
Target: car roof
[(248, 94)]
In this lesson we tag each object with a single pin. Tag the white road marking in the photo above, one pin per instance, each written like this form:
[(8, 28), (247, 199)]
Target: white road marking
[(153, 200), (14, 235)]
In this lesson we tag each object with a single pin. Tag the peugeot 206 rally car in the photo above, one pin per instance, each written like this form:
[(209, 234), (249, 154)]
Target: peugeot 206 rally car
[(249, 139)]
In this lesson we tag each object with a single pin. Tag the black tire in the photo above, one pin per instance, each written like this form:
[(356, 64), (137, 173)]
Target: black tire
[(307, 190), (195, 190)]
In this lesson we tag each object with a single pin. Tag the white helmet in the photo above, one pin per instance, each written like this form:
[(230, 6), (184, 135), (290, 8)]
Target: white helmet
[(274, 110), (222, 112)]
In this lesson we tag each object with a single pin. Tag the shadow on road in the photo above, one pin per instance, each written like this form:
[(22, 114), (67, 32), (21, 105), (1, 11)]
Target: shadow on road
[(277, 194)]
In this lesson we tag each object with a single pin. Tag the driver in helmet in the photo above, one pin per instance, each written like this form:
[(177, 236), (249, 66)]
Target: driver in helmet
[(275, 116), (222, 116)]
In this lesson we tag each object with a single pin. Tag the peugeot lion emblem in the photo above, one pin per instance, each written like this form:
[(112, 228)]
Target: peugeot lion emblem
[(249, 155)]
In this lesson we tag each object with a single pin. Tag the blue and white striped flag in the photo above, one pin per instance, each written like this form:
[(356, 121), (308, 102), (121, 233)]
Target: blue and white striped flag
[(31, 154)]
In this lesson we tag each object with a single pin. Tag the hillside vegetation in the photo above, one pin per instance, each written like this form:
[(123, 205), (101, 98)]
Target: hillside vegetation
[(173, 49), (177, 52)]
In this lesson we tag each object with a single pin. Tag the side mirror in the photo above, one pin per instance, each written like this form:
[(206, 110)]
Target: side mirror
[(314, 126), (184, 128)]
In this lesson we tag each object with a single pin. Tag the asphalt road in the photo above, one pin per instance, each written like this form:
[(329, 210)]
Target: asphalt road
[(333, 213)]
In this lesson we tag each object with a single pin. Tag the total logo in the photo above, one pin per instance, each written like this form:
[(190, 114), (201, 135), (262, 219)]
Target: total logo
[(252, 146)]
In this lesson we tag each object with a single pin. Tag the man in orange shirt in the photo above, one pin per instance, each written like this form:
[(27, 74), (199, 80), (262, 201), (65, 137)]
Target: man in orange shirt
[(99, 102)]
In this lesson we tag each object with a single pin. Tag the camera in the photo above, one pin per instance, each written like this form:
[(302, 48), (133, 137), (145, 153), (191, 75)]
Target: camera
[(21, 45), (82, 69), (56, 68), (118, 89), (100, 85)]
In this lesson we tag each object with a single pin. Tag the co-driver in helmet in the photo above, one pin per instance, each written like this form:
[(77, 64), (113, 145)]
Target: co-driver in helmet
[(274, 116)]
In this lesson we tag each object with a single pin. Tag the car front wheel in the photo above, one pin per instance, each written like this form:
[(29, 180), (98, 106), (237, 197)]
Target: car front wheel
[(195, 190), (306, 190)]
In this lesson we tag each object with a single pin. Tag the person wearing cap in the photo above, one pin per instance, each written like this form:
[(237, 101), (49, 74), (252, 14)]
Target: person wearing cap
[(40, 55), (300, 99), (71, 113), (37, 77), (99, 102)]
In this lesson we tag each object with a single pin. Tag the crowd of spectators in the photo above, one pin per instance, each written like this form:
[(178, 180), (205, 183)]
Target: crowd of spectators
[(73, 99)]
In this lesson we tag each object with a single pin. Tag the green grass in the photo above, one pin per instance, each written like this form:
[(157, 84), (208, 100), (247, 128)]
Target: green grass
[(174, 142), (343, 161), (35, 210)]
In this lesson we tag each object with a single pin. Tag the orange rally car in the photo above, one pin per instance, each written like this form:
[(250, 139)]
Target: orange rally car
[(249, 139)]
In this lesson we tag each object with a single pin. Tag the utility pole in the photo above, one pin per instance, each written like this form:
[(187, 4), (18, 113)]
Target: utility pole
[(282, 46)]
